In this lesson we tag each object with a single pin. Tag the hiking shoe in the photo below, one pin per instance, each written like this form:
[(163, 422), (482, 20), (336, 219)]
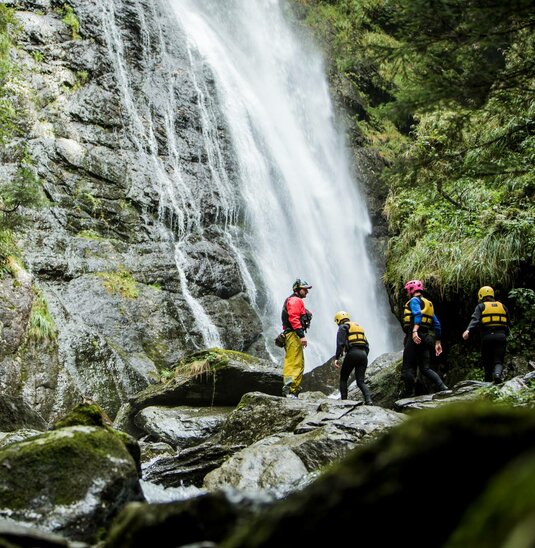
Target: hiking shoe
[(292, 396)]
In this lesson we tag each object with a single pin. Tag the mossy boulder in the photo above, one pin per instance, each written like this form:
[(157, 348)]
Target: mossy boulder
[(440, 457), (504, 515), (91, 414), (84, 414), (70, 481), (213, 377), (208, 517)]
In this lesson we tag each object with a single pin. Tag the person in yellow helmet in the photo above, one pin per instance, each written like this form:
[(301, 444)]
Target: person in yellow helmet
[(351, 341), (295, 322), (491, 318)]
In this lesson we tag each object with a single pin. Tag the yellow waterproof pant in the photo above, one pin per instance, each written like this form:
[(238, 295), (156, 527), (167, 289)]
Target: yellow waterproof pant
[(294, 364)]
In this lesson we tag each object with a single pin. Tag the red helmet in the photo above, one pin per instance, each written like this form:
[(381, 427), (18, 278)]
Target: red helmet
[(414, 285)]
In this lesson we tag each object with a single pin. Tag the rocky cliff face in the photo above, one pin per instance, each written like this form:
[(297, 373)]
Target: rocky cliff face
[(110, 255)]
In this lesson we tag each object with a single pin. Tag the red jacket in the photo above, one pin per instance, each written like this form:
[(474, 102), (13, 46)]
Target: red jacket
[(292, 311)]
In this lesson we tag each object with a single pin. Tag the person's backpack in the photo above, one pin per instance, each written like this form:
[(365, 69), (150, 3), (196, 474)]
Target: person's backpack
[(280, 339), (306, 319)]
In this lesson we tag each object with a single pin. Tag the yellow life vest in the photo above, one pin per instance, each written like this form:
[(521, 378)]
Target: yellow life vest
[(493, 315), (355, 335), (427, 313)]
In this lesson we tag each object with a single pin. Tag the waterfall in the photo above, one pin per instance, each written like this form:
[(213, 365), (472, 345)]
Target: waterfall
[(304, 215), (179, 207)]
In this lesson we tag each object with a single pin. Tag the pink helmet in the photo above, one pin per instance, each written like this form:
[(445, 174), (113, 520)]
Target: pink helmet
[(414, 285)]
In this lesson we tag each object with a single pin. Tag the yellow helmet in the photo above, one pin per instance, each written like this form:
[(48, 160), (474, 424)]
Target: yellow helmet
[(339, 317), (485, 291)]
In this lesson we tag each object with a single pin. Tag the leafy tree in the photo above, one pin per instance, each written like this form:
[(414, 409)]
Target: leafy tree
[(457, 50), (447, 87)]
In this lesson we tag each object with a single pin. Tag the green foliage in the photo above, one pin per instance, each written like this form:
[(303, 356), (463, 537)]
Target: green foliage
[(461, 195), (42, 327), (7, 70), (442, 90), (7, 248), (167, 374), (37, 55), (70, 19), (447, 87), (453, 50), (23, 189), (201, 363), (523, 321), (522, 398)]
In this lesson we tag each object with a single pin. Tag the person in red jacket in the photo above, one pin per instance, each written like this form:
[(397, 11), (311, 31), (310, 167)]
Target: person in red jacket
[(295, 322)]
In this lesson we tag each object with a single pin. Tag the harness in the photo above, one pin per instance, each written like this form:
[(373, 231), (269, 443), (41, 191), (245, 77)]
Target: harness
[(493, 315), (355, 335), (428, 312)]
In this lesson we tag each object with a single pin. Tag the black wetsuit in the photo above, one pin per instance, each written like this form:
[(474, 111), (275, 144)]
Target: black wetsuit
[(356, 358), (493, 343)]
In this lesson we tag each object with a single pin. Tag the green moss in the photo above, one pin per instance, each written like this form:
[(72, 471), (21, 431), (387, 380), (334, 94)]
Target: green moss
[(91, 414), (91, 202), (90, 235), (121, 283), (82, 77), (47, 465), (85, 414), (217, 357), (157, 350)]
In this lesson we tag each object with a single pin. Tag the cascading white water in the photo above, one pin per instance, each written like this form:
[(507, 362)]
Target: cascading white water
[(304, 215), (177, 199)]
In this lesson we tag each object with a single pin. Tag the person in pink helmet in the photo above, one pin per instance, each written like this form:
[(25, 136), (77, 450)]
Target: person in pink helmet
[(422, 336)]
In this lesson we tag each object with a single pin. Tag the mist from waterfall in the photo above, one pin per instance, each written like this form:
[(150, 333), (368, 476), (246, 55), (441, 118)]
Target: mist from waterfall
[(304, 216)]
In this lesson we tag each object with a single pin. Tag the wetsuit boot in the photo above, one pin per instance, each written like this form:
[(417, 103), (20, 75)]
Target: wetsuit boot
[(366, 394), (343, 390), (497, 377)]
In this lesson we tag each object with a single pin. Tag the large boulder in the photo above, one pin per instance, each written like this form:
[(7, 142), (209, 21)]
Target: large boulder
[(71, 481), (449, 453), (270, 444), (213, 377)]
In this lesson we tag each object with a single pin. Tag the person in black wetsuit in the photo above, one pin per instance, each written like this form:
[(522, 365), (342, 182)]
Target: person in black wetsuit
[(491, 317), (351, 341), (422, 335)]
